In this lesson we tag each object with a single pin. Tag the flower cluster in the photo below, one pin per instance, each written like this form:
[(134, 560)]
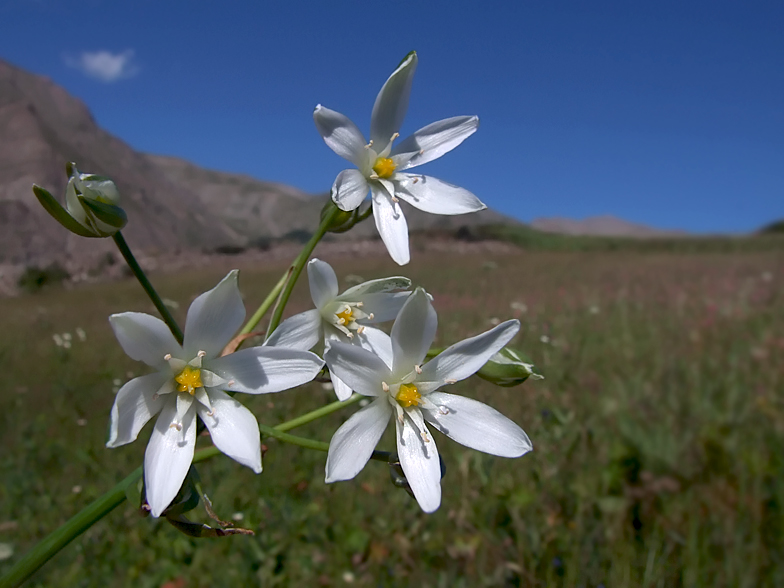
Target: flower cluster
[(199, 376)]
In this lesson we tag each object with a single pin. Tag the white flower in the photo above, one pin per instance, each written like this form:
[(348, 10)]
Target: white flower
[(380, 166), (342, 317), (410, 391), (191, 380)]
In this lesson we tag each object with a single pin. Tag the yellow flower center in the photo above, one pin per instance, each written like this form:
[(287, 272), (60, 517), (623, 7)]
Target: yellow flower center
[(384, 167), (408, 395), (189, 379), (346, 315)]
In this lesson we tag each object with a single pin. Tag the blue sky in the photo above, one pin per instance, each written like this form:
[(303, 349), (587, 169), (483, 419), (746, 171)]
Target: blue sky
[(668, 114)]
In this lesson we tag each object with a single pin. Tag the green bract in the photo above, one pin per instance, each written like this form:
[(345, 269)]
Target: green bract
[(506, 368)]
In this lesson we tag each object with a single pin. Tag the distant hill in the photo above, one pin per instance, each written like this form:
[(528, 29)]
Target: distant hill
[(604, 226), (776, 227), (171, 204)]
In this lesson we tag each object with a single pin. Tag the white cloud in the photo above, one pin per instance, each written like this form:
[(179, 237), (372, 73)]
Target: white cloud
[(104, 65)]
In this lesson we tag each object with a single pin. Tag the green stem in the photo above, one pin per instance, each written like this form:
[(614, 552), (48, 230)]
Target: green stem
[(265, 306), (296, 268), (78, 524), (311, 443), (100, 507), (148, 288)]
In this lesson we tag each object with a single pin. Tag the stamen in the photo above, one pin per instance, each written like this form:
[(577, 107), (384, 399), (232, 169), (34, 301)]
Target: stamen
[(384, 387), (417, 369), (371, 316), (156, 396), (421, 151), (177, 426), (350, 335), (443, 410), (394, 136), (416, 180), (450, 381), (395, 199), (424, 436), (369, 145), (359, 304), (231, 382), (167, 357), (201, 354), (360, 329)]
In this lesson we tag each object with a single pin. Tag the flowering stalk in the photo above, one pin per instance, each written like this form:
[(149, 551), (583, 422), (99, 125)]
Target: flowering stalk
[(148, 288), (51, 545), (296, 267)]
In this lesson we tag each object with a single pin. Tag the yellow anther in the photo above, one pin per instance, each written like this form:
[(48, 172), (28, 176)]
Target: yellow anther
[(189, 379), (345, 315), (408, 395), (384, 167)]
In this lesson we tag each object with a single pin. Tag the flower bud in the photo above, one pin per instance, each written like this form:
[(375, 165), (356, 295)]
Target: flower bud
[(342, 220), (91, 205), (507, 368)]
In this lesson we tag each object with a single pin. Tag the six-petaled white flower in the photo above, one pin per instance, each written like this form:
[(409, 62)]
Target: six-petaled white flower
[(191, 380), (380, 166), (342, 317), (409, 390)]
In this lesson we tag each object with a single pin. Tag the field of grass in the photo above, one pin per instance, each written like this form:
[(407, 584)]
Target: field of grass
[(658, 437)]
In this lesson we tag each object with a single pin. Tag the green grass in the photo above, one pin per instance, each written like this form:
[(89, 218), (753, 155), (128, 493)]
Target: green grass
[(658, 455)]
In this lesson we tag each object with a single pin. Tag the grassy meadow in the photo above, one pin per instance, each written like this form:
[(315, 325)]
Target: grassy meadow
[(658, 436)]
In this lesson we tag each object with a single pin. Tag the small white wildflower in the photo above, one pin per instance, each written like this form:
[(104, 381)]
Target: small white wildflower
[(380, 166), (58, 340), (544, 339), (81, 334), (190, 380), (521, 307), (342, 317), (76, 489), (402, 386)]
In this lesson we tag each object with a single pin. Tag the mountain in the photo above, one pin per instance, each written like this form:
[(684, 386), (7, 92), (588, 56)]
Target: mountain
[(41, 128), (172, 204), (605, 226)]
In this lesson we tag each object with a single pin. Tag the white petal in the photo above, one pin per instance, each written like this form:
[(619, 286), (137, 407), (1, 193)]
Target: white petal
[(167, 459), (340, 134), (376, 341), (468, 356), (342, 390), (349, 189), (384, 307), (391, 225), (300, 331), (234, 430), (214, 318), (262, 370), (322, 281), (435, 196), (419, 460), (432, 141), (358, 368), (382, 285), (391, 103), (353, 443), (135, 404), (145, 338), (74, 207), (413, 332), (478, 426)]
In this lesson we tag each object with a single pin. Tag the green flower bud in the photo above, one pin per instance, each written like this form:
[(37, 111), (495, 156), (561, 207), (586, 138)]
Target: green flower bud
[(507, 368), (91, 205), (342, 220)]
